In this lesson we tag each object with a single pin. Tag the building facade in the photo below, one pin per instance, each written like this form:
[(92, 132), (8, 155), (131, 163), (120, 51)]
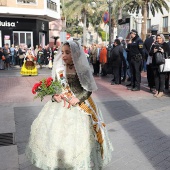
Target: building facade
[(161, 22), (27, 21)]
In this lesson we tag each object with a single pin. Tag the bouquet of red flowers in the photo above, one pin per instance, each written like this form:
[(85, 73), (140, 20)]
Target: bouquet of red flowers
[(46, 87)]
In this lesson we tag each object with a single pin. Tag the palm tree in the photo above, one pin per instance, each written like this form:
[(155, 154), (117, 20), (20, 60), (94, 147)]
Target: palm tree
[(80, 8), (90, 10), (146, 5)]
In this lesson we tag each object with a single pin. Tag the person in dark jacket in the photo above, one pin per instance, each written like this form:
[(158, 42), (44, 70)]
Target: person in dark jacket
[(117, 59), (136, 56), (40, 57), (147, 45), (159, 46), (47, 54)]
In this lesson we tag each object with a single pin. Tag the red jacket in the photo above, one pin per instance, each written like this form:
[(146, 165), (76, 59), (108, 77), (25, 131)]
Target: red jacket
[(103, 55)]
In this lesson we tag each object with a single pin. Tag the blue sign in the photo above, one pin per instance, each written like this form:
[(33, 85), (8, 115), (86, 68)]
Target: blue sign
[(105, 17)]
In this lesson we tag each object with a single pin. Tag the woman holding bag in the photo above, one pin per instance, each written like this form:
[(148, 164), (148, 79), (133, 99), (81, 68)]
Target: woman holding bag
[(159, 46)]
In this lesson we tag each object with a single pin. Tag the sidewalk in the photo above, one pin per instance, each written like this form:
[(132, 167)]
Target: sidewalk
[(138, 123)]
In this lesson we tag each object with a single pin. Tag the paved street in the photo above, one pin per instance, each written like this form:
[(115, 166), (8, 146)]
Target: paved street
[(138, 123)]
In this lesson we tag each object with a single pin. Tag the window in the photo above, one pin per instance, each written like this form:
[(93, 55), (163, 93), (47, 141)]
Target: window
[(27, 1), (148, 25), (51, 5), (165, 24), (21, 37)]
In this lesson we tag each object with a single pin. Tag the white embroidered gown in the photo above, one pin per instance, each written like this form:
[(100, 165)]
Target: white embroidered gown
[(63, 138)]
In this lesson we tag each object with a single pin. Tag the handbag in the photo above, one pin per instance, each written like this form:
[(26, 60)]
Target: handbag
[(21, 56), (165, 67), (3, 57), (159, 58)]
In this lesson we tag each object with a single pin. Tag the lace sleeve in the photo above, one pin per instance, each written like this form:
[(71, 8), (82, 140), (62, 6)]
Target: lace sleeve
[(77, 89), (84, 95)]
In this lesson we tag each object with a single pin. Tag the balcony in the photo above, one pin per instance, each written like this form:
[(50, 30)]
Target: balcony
[(3, 2), (165, 29), (33, 9), (51, 5)]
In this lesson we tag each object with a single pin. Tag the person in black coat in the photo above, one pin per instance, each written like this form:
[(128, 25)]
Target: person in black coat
[(136, 55), (116, 59), (147, 45), (159, 46)]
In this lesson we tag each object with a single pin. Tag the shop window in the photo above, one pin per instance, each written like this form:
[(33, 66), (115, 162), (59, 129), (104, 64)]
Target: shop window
[(16, 39), (28, 39), (27, 1), (24, 38)]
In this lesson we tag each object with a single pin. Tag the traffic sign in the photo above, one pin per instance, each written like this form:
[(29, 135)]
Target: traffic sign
[(105, 17)]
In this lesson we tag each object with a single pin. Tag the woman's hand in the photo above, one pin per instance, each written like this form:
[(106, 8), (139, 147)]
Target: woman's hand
[(73, 101), (161, 50), (57, 98), (155, 50)]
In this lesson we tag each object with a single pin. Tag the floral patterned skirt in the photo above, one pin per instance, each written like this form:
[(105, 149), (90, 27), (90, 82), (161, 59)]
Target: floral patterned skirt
[(29, 69), (63, 138)]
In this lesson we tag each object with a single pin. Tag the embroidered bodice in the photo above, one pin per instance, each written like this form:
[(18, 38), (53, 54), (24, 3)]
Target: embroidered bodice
[(76, 87)]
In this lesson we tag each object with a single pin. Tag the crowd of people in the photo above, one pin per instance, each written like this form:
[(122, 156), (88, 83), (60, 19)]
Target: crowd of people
[(129, 58), (125, 60), (27, 58)]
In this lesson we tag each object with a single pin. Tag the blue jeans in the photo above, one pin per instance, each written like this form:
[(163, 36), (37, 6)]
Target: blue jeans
[(13, 60)]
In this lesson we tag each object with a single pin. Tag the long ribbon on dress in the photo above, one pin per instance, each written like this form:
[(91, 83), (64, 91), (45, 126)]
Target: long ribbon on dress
[(98, 125)]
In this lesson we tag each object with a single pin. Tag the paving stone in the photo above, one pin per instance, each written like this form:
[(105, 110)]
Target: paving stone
[(9, 158), (7, 123)]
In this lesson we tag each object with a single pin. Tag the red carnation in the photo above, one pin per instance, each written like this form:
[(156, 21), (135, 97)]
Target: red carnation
[(35, 87), (48, 81)]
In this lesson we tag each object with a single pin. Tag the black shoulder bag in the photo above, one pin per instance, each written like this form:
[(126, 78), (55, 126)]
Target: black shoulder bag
[(159, 58)]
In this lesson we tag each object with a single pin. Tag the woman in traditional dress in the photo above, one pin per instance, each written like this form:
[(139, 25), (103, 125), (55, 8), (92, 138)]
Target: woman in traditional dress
[(29, 67), (69, 132)]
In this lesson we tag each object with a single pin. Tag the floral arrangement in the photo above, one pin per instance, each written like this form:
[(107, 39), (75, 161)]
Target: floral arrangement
[(46, 87)]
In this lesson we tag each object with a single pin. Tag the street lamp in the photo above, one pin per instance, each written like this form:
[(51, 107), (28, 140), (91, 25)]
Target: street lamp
[(109, 2)]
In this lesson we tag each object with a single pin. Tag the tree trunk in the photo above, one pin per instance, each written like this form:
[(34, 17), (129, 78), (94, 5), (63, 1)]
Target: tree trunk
[(84, 28), (144, 13), (120, 13)]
